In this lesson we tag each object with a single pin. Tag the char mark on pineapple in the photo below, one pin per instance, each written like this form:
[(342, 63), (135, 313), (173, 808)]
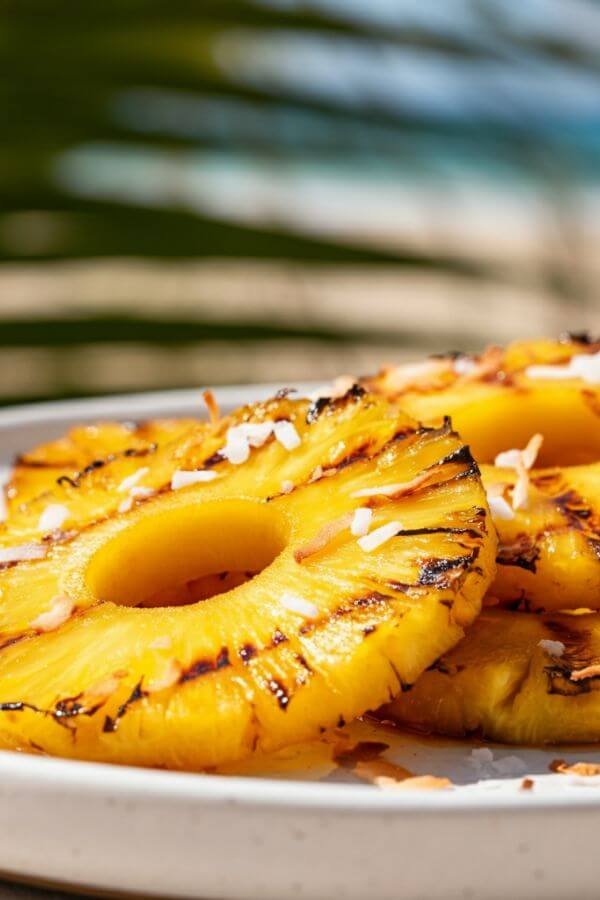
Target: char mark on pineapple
[(329, 405), (205, 666), (111, 723)]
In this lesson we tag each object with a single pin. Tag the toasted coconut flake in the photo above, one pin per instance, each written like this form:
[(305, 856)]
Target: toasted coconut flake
[(287, 487), (586, 769), (416, 375), (527, 784), (585, 366), (169, 677), (522, 461), (105, 688), (287, 435), (394, 491), (60, 610), (299, 605), (132, 479), (380, 536), (212, 406), (552, 648), (316, 473), (500, 508), (587, 672), (338, 388), (487, 365), (361, 521), (323, 537), (374, 770), (183, 478), (411, 783), (23, 552), (53, 517)]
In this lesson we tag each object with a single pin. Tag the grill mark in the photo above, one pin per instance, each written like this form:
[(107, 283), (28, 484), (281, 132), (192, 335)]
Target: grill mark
[(204, 666), (278, 638), (579, 337), (441, 529), (14, 639), (524, 553), (280, 693), (577, 655), (330, 405), (460, 455), (23, 463), (247, 652), (441, 571), (111, 723)]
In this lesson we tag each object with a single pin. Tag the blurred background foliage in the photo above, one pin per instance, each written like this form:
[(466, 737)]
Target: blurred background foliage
[(228, 190)]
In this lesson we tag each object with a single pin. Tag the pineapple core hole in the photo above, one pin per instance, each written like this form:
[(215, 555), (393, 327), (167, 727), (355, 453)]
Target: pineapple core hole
[(187, 554)]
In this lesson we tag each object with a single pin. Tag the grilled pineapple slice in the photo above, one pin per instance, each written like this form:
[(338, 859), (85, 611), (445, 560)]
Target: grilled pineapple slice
[(516, 678), (499, 399), (39, 469), (90, 665), (549, 551)]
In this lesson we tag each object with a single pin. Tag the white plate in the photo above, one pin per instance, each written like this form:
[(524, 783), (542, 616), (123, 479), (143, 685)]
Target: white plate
[(290, 833)]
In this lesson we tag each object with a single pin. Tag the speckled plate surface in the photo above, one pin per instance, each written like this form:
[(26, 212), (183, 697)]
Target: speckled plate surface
[(293, 825)]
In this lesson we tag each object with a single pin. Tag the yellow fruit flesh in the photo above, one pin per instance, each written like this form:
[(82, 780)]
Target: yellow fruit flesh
[(549, 553), (504, 407), (38, 470), (500, 684), (193, 686)]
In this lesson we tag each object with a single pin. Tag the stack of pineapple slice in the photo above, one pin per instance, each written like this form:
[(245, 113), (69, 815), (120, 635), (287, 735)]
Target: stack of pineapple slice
[(529, 669), (207, 590), (187, 593)]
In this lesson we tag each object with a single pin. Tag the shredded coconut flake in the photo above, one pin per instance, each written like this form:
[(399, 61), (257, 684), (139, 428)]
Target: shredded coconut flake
[(125, 504), (464, 365), (585, 366), (182, 478), (237, 448), (361, 521), (169, 677), (299, 605), (521, 461), (212, 406), (132, 479), (287, 487), (552, 648), (22, 552), (340, 386), (401, 488), (54, 516), (287, 435), (323, 537), (500, 508), (60, 610), (380, 536), (482, 759)]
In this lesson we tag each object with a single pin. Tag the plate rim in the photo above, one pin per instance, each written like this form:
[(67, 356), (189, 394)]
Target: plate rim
[(245, 791)]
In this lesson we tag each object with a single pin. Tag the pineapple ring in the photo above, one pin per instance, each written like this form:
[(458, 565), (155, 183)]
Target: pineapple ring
[(499, 399), (549, 552), (519, 679), (92, 668), (38, 470)]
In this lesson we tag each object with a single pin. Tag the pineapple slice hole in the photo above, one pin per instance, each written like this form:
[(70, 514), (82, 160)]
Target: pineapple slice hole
[(188, 554)]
